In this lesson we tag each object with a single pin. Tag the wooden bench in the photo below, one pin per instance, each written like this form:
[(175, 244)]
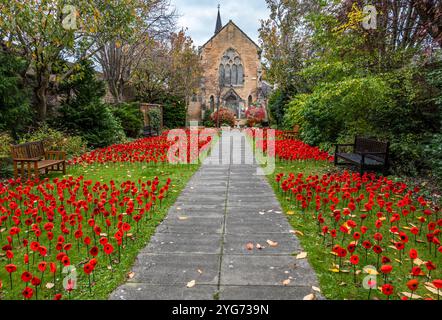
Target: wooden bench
[(292, 135), (366, 154), (32, 157), (149, 131)]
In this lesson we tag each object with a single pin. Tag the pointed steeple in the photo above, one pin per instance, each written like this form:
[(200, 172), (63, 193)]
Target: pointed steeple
[(219, 24)]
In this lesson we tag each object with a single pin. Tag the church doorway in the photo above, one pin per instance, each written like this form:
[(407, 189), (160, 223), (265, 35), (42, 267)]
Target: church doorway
[(232, 101)]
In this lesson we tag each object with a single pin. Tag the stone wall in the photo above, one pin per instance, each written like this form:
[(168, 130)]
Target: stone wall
[(211, 54)]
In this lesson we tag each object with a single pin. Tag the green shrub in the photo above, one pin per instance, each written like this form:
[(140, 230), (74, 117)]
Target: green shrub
[(155, 118), (5, 144), (130, 117), (85, 114), (174, 112), (57, 141), (207, 120), (15, 111)]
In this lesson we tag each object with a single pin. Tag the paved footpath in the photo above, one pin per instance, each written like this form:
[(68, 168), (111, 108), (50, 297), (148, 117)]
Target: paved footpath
[(204, 237)]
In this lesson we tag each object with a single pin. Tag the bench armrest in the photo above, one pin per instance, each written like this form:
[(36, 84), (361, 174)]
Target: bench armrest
[(55, 155)]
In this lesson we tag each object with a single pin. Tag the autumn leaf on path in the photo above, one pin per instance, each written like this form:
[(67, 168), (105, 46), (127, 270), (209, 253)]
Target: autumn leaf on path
[(302, 255), (286, 282), (272, 243), (191, 284), (310, 296), (130, 275), (249, 246)]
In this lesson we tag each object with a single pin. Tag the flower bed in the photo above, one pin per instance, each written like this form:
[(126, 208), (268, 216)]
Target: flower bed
[(49, 226), (372, 221)]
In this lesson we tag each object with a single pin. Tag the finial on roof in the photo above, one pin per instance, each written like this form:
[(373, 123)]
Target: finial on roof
[(219, 24)]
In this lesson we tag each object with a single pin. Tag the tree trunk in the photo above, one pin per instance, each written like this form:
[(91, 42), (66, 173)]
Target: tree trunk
[(42, 99)]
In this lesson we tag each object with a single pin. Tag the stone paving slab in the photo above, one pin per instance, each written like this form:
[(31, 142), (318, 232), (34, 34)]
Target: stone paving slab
[(236, 244), (192, 225), (265, 292), (204, 237), (142, 291), (244, 270), (204, 242), (176, 269)]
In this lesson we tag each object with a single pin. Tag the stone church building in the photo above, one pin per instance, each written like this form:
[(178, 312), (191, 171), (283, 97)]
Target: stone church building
[(232, 75)]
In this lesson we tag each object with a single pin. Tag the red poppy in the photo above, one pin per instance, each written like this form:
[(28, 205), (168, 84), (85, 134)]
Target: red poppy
[(354, 260), (413, 254), (88, 268), (377, 249), (52, 267), (430, 266), (35, 281), (66, 261), (385, 260), (399, 245), (10, 268), (28, 293), (94, 251), (58, 296), (438, 283), (413, 284), (366, 244), (108, 249), (26, 277), (386, 269), (42, 266), (387, 289), (416, 271)]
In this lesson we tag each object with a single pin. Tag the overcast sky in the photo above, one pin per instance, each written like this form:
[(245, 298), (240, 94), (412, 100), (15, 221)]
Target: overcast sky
[(199, 16)]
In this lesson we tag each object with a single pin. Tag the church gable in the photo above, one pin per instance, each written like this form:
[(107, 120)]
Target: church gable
[(227, 33)]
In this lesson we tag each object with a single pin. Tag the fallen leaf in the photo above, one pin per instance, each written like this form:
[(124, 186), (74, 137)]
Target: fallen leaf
[(316, 289), (191, 284), (272, 243), (297, 232), (302, 255), (130, 275), (418, 262), (50, 285), (286, 282), (249, 246), (310, 296), (183, 218), (411, 296), (334, 270), (290, 213), (431, 288), (258, 246), (200, 271)]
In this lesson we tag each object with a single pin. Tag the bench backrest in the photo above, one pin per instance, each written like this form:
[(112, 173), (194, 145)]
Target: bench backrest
[(30, 150), (371, 145)]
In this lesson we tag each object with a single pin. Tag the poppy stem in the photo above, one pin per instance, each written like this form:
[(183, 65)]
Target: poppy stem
[(10, 278)]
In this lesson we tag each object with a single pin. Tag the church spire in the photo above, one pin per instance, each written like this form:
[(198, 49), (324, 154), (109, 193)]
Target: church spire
[(219, 24)]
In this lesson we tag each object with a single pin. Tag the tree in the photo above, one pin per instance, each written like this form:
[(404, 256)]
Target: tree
[(187, 71), (171, 66), (15, 111), (46, 32), (121, 57)]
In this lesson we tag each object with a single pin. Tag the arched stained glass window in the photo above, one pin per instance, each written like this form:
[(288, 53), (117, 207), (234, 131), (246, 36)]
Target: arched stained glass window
[(234, 74), (231, 70), (228, 78)]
